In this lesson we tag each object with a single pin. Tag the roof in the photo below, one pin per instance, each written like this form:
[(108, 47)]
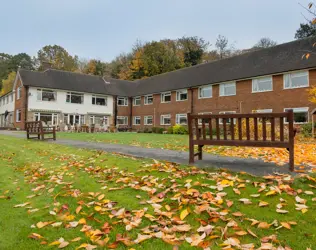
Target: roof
[(281, 58), (57, 79), (278, 59)]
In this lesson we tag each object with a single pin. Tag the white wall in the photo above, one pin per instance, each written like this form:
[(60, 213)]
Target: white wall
[(9, 107), (71, 108)]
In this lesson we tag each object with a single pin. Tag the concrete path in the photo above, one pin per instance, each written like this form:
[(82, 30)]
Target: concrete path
[(251, 166)]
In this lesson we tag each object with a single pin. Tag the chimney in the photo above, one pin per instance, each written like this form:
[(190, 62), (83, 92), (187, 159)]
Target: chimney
[(46, 65)]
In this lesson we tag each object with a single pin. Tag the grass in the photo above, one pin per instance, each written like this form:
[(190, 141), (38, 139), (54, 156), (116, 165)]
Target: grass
[(73, 176)]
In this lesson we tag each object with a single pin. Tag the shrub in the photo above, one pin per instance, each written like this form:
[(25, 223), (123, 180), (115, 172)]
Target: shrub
[(154, 129), (306, 129), (170, 130), (180, 130), (147, 130), (160, 130)]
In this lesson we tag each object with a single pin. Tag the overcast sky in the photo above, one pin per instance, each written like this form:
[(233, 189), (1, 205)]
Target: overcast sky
[(102, 28)]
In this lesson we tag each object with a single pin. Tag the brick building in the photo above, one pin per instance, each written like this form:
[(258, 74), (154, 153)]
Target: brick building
[(267, 80)]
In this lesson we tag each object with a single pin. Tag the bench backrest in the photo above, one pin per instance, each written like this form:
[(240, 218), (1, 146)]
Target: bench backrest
[(255, 129), (34, 127)]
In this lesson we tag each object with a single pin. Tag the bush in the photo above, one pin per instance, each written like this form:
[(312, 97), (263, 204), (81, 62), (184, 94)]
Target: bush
[(170, 130), (180, 130), (147, 130), (154, 129), (157, 130), (306, 129), (160, 130)]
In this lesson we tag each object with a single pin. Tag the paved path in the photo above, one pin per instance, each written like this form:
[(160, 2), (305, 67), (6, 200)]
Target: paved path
[(251, 166)]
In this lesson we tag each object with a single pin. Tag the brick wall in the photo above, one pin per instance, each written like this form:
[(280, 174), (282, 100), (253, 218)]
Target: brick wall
[(20, 104), (243, 102)]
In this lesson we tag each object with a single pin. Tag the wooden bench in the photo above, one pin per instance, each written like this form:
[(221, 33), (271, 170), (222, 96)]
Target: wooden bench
[(37, 128), (242, 130)]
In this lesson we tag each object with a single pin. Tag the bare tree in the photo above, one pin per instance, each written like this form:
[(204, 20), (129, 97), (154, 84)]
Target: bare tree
[(221, 45), (265, 42)]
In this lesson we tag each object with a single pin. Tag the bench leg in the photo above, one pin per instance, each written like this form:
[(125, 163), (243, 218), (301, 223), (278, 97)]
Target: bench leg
[(191, 153), (39, 136), (54, 136), (291, 158), (42, 137), (27, 135), (200, 152)]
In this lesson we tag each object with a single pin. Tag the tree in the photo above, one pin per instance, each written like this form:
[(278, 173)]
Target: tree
[(223, 48), (193, 49), (7, 84), (95, 67), (305, 30), (264, 42), (21, 60), (58, 57)]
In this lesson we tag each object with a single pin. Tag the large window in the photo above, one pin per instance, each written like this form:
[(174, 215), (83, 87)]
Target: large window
[(205, 120), (182, 95), (46, 95), (136, 120), (166, 97), (262, 84), (73, 97), (18, 115), (165, 119), (149, 99), (181, 119), (122, 120), (148, 120), (300, 114), (205, 92), (99, 120), (99, 100), (137, 101), (74, 119), (227, 89), (228, 121), (296, 80), (122, 101), (48, 118), (18, 93)]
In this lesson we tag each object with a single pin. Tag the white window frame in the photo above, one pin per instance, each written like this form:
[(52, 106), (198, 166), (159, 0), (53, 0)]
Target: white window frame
[(137, 98), (226, 112), (262, 111), (204, 87), (99, 96), (146, 120), (292, 75), (162, 119), (146, 97), (40, 91), (125, 101), (225, 84), (134, 120), (302, 109), (179, 116), (179, 93), (75, 94), (18, 111), (163, 95), (18, 93), (256, 82), (203, 113), (122, 117)]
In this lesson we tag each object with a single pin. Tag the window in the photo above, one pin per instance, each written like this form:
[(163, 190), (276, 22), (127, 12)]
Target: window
[(182, 95), (227, 89), (137, 101), (205, 120), (18, 93), (122, 101), (99, 100), (165, 119), (48, 118), (122, 120), (300, 115), (46, 95), (148, 120), (181, 119), (262, 84), (296, 80), (166, 97), (228, 121), (262, 111), (73, 97), (18, 115), (11, 96), (136, 120), (205, 92), (149, 99)]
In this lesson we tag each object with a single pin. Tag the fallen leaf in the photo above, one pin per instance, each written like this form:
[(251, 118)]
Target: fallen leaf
[(184, 214), (63, 244)]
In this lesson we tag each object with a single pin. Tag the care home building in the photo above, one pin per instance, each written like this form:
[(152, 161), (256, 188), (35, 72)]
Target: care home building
[(268, 80)]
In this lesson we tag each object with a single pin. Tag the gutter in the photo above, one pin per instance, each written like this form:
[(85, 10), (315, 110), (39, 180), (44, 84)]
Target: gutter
[(26, 105)]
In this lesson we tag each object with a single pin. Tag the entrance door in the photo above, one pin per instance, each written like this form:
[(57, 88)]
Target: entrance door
[(71, 119), (77, 119)]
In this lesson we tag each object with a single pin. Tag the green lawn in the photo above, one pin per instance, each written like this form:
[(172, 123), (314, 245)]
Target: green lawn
[(118, 197), (166, 141)]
